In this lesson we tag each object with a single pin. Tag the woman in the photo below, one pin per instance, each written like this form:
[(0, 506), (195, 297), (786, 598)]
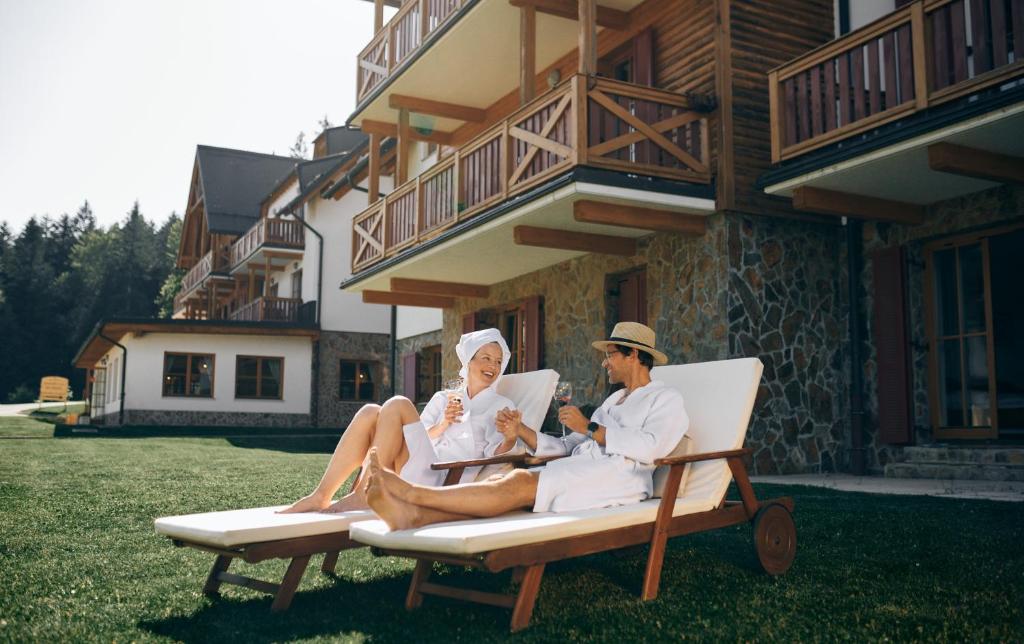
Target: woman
[(408, 443)]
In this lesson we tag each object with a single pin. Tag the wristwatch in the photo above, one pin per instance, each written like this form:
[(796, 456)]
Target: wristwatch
[(591, 428)]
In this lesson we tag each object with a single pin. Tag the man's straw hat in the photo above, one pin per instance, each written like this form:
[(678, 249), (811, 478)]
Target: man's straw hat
[(636, 335)]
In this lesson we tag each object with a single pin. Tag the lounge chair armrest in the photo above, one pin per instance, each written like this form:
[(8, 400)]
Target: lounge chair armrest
[(706, 456), (541, 460), (493, 460)]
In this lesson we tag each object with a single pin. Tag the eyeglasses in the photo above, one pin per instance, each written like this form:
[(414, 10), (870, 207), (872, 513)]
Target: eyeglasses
[(608, 354)]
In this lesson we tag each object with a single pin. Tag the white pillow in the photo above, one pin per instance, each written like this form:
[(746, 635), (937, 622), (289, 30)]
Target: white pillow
[(683, 448)]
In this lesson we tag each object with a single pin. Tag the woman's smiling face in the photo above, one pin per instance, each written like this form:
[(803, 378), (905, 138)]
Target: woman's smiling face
[(485, 365)]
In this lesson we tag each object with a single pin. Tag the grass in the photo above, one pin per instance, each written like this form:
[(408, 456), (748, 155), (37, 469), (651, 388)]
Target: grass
[(80, 561)]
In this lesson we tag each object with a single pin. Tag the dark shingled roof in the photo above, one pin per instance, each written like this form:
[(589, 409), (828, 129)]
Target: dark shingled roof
[(314, 175), (235, 183), (342, 139)]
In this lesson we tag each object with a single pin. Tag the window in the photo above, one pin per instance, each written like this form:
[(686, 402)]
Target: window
[(429, 377), (976, 320), (188, 374), (356, 381), (626, 297), (522, 325), (258, 377), (297, 284)]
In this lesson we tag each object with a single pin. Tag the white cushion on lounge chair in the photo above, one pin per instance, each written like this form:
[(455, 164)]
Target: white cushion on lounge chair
[(532, 392), (238, 527), (719, 397)]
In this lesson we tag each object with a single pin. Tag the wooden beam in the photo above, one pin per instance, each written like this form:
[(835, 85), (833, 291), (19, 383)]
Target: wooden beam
[(437, 108), (598, 212), (527, 53), (606, 16), (378, 16), (972, 162), (587, 37), (373, 180), (402, 162), (390, 129), (408, 299), (850, 205), (429, 287), (572, 240)]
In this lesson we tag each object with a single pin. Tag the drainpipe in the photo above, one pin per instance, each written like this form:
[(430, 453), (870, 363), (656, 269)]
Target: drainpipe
[(319, 303), (394, 348), (124, 372), (854, 264)]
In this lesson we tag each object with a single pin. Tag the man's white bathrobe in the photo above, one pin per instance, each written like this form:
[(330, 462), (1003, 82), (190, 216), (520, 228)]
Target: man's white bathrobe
[(640, 427), (475, 437)]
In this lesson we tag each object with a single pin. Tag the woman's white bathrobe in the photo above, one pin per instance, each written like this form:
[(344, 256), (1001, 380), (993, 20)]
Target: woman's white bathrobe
[(641, 427)]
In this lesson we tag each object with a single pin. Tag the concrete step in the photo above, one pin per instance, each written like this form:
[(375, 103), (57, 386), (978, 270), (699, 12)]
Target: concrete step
[(1005, 456), (955, 471)]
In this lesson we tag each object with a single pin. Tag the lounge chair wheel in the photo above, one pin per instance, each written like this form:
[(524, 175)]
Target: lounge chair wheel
[(775, 538)]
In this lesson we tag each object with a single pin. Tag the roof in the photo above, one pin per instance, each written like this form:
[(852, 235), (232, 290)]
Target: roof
[(314, 175), (343, 139), (358, 168), (234, 184), (96, 345)]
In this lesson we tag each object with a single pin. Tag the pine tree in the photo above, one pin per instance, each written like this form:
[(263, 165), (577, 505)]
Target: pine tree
[(299, 149)]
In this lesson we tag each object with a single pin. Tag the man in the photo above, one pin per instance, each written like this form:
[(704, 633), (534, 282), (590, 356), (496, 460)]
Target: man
[(610, 458)]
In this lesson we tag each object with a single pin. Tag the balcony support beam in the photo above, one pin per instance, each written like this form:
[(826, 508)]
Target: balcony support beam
[(605, 16), (437, 108), (408, 299), (402, 161), (587, 36), (572, 240), (832, 202), (972, 162), (527, 53), (370, 126), (662, 221), (378, 16), (373, 178), (429, 287)]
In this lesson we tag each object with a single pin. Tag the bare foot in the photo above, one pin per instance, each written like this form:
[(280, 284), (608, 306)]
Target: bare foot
[(393, 483), (398, 514), (312, 503), (352, 501)]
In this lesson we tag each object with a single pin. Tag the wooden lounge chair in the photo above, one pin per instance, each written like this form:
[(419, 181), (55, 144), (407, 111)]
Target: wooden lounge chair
[(719, 397), (259, 534)]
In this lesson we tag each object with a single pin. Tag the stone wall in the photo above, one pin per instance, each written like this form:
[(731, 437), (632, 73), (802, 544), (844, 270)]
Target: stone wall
[(334, 346), (166, 418), (412, 344), (786, 300), (973, 212)]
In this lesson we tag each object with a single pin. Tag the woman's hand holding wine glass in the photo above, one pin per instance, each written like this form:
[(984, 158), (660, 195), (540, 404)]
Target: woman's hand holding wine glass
[(563, 396)]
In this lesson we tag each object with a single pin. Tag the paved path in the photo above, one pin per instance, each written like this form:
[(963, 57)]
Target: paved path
[(994, 490)]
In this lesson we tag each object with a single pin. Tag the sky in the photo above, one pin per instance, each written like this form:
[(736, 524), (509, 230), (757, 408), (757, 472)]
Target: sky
[(106, 100)]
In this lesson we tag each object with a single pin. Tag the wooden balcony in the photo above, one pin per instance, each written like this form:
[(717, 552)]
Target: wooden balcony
[(269, 232), (405, 33), (924, 54), (611, 125), (268, 309)]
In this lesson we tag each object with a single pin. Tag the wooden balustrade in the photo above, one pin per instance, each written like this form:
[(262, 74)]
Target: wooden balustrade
[(268, 309), (594, 122), (277, 232), (396, 43), (197, 273), (925, 53)]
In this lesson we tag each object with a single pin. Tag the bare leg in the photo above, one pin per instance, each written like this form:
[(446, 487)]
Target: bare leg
[(348, 455), (401, 503)]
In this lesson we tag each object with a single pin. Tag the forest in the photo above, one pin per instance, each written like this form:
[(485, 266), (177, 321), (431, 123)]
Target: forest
[(59, 276)]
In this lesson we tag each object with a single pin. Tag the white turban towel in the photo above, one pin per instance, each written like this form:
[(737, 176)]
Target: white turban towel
[(470, 343)]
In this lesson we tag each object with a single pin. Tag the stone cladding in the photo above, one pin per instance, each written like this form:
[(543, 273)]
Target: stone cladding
[(168, 418), (412, 344), (331, 349)]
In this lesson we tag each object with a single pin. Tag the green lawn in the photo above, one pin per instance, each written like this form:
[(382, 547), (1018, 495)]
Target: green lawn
[(80, 561)]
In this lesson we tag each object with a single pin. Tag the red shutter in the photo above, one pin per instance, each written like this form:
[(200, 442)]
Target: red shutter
[(469, 322), (410, 373), (643, 58), (890, 336), (533, 333), (632, 299)]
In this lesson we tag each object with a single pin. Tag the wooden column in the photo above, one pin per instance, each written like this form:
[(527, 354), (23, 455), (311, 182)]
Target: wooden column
[(373, 179), (587, 26), (402, 161), (527, 53), (378, 16), (252, 284), (266, 275)]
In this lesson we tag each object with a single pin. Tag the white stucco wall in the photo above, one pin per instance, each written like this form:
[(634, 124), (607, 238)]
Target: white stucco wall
[(339, 311), (144, 379), (414, 320), (864, 11)]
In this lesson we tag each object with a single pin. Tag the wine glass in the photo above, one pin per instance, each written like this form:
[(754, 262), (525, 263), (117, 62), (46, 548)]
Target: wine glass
[(563, 396), (453, 389)]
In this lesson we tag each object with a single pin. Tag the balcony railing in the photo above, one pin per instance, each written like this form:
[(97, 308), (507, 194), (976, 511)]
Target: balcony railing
[(197, 273), (286, 233), (926, 53), (612, 125), (268, 309), (399, 39)]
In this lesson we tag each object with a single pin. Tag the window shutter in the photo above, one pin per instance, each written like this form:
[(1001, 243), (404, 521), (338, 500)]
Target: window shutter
[(890, 336), (469, 322), (410, 373), (632, 298), (533, 333), (643, 58)]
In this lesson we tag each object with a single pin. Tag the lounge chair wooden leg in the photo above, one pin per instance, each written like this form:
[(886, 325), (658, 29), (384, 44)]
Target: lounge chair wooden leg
[(527, 597), (290, 583), (655, 559), (517, 574), (330, 562), (212, 586), (414, 599)]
